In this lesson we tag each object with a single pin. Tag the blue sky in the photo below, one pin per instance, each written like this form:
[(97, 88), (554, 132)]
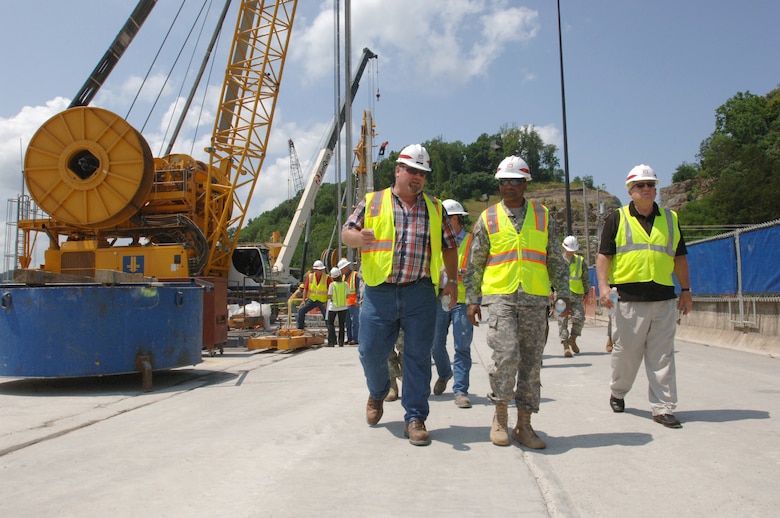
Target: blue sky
[(643, 79)]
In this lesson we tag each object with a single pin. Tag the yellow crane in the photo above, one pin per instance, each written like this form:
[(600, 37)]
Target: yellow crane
[(94, 176)]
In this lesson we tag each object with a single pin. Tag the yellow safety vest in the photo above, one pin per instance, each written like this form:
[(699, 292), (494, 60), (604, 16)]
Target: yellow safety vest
[(318, 291), (377, 258), (516, 258), (463, 259), (575, 275), (643, 258), (339, 293)]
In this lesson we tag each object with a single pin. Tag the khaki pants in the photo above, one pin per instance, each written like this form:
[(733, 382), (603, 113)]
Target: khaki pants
[(645, 330)]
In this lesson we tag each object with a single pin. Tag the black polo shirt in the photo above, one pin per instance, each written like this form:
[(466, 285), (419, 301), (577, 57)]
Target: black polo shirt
[(637, 291)]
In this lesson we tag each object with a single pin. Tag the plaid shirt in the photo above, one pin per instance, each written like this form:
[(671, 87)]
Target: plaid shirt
[(412, 250)]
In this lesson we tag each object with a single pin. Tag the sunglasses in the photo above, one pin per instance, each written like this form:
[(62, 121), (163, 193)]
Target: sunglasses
[(642, 185), (413, 171), (512, 181)]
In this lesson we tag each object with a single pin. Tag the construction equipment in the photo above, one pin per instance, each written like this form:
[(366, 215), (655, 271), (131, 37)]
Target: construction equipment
[(281, 267), (111, 206)]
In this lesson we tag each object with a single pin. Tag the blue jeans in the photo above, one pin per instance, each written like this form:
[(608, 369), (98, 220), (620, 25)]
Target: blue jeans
[(386, 309), (308, 306), (353, 322), (462, 333)]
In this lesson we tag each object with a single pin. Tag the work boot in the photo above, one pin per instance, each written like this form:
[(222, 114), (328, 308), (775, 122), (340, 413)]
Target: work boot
[(393, 394), (440, 385), (609, 344), (374, 410), (499, 432), (524, 434), (566, 350), (573, 344), (416, 433)]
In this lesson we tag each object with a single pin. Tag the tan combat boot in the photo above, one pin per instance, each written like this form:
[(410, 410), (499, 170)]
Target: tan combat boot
[(499, 432), (566, 350), (609, 344), (524, 434), (393, 394), (573, 344)]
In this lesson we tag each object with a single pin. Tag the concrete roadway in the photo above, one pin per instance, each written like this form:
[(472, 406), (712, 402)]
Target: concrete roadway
[(284, 434)]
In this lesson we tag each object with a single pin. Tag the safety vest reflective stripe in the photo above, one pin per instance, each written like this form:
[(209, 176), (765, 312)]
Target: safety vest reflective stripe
[(491, 219), (540, 217), (537, 257), (502, 257)]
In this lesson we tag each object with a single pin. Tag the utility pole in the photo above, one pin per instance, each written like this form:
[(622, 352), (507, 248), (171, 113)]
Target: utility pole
[(565, 141), (585, 215)]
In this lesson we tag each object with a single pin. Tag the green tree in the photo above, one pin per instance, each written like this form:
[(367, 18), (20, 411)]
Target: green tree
[(743, 156), (685, 171)]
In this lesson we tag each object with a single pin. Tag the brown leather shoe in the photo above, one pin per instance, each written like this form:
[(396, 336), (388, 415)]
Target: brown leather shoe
[(417, 433), (374, 410), (440, 385), (668, 420)]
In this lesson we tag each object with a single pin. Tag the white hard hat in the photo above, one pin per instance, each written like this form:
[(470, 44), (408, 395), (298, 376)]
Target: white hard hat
[(318, 265), (640, 173), (571, 244), (335, 272), (513, 167), (344, 262), (454, 208), (415, 156)]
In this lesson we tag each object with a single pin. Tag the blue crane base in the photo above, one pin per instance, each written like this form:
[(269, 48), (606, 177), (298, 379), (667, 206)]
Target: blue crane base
[(96, 330)]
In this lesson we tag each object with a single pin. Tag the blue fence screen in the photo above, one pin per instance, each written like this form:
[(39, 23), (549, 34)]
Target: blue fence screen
[(714, 268)]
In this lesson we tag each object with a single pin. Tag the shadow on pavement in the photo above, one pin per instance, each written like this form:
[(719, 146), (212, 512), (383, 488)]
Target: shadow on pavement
[(118, 384)]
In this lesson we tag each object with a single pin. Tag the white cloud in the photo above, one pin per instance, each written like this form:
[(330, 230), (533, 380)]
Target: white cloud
[(550, 134), (420, 46), (425, 42)]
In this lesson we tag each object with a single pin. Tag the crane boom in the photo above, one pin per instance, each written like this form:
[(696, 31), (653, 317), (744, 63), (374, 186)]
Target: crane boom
[(243, 124), (298, 223), (114, 52)]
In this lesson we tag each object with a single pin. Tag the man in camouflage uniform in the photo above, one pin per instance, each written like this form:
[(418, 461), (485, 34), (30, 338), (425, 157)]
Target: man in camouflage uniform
[(514, 280), (395, 364)]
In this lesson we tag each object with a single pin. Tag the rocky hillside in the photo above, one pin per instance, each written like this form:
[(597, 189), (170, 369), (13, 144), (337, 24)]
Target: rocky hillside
[(677, 195)]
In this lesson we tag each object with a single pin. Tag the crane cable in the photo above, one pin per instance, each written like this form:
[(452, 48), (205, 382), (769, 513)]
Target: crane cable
[(157, 55), (170, 71), (184, 80)]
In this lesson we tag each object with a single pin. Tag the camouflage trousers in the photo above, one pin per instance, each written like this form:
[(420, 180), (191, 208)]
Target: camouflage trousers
[(516, 336), (395, 362), (577, 318)]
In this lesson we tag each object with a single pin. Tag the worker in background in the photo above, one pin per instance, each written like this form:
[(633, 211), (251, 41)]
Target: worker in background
[(352, 278), (403, 237), (513, 259), (579, 285), (337, 307), (641, 247), (315, 292), (462, 330)]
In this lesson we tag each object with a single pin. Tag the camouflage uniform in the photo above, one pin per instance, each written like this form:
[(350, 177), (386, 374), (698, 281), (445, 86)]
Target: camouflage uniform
[(516, 321), (395, 362), (577, 308)]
